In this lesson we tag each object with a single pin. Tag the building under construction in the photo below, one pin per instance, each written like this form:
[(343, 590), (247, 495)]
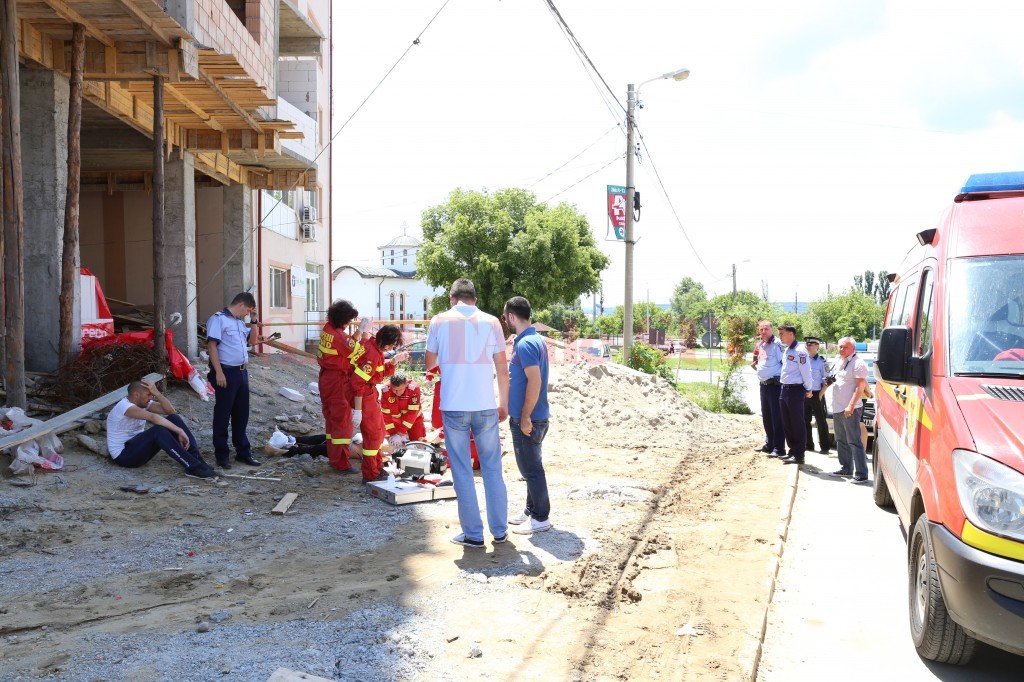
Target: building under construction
[(176, 149)]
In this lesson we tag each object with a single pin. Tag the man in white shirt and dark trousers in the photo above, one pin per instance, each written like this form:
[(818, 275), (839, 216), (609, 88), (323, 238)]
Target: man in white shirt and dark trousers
[(132, 445), (851, 380), (469, 347)]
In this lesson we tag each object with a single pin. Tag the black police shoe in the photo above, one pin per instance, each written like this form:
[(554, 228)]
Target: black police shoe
[(248, 459)]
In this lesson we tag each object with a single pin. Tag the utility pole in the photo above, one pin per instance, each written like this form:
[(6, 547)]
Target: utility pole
[(734, 281), (627, 305), (648, 314)]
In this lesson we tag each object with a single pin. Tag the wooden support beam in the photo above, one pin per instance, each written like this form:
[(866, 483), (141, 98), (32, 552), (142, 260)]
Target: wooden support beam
[(193, 107), (146, 22), (159, 234), (227, 141), (70, 416), (69, 14), (242, 113), (13, 207), (70, 255)]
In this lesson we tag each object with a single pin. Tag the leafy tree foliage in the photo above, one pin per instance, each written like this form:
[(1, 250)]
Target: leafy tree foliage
[(660, 318), (853, 314), (747, 306), (508, 244), (689, 300)]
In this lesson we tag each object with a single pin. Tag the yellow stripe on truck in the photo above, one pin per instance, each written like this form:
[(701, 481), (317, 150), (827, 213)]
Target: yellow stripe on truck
[(992, 544)]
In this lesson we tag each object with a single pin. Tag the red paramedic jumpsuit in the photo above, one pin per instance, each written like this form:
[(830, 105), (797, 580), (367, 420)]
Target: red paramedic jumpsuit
[(403, 414), (366, 374), (336, 354), (435, 415)]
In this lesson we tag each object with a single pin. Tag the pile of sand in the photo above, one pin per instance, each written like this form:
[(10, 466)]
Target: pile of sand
[(611, 404)]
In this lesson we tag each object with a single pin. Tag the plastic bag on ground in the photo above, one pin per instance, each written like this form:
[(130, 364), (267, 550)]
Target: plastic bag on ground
[(280, 440)]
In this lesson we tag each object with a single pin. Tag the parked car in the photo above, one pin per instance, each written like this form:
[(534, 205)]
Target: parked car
[(949, 456), (417, 355)]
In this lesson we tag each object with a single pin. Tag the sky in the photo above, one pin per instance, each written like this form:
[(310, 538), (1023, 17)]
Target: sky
[(811, 142)]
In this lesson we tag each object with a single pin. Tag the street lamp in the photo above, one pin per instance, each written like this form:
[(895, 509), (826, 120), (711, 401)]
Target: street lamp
[(631, 98)]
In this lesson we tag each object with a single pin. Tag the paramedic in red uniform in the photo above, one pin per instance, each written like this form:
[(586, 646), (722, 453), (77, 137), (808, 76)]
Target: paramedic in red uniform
[(336, 354), (402, 406), (369, 371)]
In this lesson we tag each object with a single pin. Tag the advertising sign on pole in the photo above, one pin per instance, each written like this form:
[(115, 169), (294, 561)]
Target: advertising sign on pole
[(617, 210)]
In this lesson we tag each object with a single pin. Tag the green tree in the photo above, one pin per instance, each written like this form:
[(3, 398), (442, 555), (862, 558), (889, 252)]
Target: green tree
[(660, 318), (747, 306), (881, 292), (609, 325), (851, 314), (689, 300), (508, 244)]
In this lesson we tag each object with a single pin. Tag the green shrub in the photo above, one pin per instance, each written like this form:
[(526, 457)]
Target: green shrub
[(649, 360)]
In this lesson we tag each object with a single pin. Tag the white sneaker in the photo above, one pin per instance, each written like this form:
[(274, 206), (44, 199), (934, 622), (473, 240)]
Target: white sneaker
[(532, 526), (519, 518)]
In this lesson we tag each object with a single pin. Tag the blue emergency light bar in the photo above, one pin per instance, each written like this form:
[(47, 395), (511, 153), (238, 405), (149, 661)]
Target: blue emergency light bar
[(861, 346), (994, 182)]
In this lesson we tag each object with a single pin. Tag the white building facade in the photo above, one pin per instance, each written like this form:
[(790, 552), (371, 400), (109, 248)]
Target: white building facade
[(390, 291)]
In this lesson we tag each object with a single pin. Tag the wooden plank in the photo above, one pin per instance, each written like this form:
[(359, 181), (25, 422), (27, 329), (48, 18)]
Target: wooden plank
[(283, 505), (289, 349), (67, 13), (51, 425), (289, 675)]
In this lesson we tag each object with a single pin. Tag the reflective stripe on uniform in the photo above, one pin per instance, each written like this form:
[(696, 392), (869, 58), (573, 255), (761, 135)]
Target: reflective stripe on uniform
[(339, 441), (370, 453), (407, 425), (361, 374), (327, 351), (388, 427), (380, 368), (414, 408), (383, 411)]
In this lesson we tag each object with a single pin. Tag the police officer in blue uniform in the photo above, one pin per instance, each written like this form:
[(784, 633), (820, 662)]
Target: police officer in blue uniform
[(227, 340), (815, 404), (768, 364), (796, 388)]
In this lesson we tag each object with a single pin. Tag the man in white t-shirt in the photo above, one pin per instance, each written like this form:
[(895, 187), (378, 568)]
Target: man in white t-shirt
[(469, 347), (132, 445)]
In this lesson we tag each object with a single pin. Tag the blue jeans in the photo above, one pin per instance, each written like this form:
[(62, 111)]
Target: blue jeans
[(531, 466), (484, 426), (848, 442), (144, 446)]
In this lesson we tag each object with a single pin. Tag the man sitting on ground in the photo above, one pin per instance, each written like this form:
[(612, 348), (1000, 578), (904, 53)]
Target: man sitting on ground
[(132, 445)]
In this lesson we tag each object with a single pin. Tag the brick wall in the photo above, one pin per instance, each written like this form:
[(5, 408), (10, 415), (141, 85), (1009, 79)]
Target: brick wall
[(217, 26)]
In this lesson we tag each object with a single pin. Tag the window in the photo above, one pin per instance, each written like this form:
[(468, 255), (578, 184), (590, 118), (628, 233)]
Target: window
[(392, 253), (405, 252), (401, 306), (392, 305), (314, 277), (280, 288), (924, 323), (405, 261), (903, 302), (285, 197), (392, 260), (426, 306)]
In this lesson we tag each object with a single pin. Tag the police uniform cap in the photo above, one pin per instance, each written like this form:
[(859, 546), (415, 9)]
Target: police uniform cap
[(812, 339)]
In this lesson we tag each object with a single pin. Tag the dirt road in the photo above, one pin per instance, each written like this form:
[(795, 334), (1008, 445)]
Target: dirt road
[(664, 517)]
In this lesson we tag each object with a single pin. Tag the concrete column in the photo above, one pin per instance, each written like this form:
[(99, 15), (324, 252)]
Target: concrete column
[(178, 263), (44, 148), (238, 240)]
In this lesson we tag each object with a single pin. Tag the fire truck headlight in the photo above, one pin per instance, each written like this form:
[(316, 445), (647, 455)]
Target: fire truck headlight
[(991, 494)]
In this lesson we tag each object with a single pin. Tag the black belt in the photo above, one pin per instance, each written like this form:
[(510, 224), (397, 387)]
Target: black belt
[(800, 386), (245, 366), (770, 382)]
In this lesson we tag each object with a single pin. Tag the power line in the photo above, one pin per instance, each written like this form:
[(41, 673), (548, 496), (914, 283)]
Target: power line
[(617, 110), (668, 199), (603, 135), (617, 158)]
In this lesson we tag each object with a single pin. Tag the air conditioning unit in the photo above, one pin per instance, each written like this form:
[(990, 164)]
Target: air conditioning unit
[(308, 214), (308, 232)]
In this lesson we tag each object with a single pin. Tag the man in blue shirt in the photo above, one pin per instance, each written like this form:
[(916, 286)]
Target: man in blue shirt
[(528, 414), (796, 388), (815, 405), (768, 365), (227, 340)]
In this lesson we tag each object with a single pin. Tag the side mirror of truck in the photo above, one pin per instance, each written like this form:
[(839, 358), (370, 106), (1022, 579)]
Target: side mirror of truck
[(895, 362)]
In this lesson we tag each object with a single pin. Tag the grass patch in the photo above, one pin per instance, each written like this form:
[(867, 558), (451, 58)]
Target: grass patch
[(706, 396)]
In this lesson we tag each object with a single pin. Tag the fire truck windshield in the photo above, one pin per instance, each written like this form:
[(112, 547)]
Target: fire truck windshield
[(986, 315)]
